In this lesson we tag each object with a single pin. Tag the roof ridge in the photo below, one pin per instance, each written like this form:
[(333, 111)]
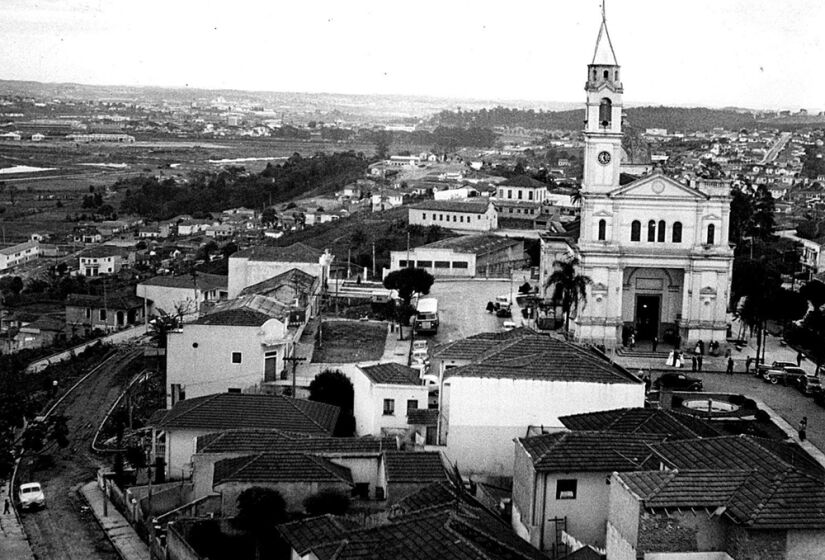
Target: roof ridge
[(670, 475), (242, 466), (206, 399), (291, 401), (776, 482), (456, 517), (326, 464)]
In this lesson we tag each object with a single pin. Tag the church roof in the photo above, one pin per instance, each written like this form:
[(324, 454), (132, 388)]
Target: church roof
[(604, 54)]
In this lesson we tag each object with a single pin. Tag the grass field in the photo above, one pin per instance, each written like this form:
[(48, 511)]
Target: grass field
[(350, 341)]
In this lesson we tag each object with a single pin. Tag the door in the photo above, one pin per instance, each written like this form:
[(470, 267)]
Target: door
[(647, 317)]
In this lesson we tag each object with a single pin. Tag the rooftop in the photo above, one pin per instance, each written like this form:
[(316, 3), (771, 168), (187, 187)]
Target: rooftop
[(422, 417), (295, 279), (297, 252), (204, 282), (469, 207), (305, 533), (676, 425), (251, 310), (279, 467), (472, 243), (259, 441), (524, 181), (98, 251), (588, 451), (226, 411), (423, 466), (391, 373), (120, 300)]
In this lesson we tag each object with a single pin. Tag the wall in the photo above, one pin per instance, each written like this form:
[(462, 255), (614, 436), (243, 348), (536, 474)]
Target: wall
[(587, 514), (485, 414), (208, 368), (622, 521), (398, 260), (452, 220), (758, 545), (244, 272), (684, 531), (294, 493), (176, 546), (368, 403), (524, 489), (180, 446), (805, 545), (169, 300)]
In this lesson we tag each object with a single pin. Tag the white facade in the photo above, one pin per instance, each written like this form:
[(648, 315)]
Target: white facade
[(437, 261), (97, 266), (475, 217), (245, 271), (528, 194), (372, 415), (184, 302), (656, 250), (480, 416), (18, 254), (206, 359)]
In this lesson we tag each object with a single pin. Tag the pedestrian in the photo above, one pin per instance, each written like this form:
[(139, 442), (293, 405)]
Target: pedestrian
[(730, 365), (698, 349), (727, 352), (632, 341), (699, 362), (647, 383), (748, 364), (693, 363), (803, 427), (655, 342), (799, 359), (677, 342), (701, 345), (6, 507)]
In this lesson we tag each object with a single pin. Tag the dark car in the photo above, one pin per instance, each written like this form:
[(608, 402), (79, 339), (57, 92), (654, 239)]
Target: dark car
[(762, 369), (809, 385), (678, 381), (788, 375)]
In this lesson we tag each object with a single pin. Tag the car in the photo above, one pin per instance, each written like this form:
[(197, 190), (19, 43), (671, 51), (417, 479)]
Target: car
[(420, 345), (678, 381), (809, 385), (762, 369), (508, 326), (794, 374), (31, 495), (788, 375)]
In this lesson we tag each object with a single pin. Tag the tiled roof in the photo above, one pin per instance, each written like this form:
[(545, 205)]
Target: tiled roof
[(588, 451), (788, 499), (643, 420), (406, 466), (234, 318), (205, 282), (391, 373), (422, 417), (524, 181), (226, 411), (303, 534), (259, 441), (297, 252), (474, 346), (99, 251), (254, 307), (279, 467), (297, 280), (542, 357), (472, 243), (454, 206), (431, 496), (740, 452), (585, 553)]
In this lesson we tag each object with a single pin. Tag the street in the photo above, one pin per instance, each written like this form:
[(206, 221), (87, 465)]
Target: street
[(66, 529)]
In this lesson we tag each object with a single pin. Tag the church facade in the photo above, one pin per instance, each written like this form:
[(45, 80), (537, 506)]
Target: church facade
[(656, 249)]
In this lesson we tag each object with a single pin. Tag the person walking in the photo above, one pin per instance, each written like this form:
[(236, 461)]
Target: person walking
[(6, 507), (730, 366), (803, 428), (655, 342), (699, 360), (693, 363)]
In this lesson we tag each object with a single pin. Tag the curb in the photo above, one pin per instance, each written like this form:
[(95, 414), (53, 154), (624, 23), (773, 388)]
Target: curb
[(97, 519), (118, 400)]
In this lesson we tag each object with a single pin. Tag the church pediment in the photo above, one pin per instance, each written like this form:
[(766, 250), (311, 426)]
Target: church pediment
[(657, 186), (603, 214)]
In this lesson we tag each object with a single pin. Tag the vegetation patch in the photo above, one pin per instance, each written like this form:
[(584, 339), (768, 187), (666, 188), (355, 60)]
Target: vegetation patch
[(349, 341)]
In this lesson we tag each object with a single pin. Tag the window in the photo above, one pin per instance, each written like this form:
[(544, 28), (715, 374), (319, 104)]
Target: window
[(236, 357), (402, 264), (424, 216), (389, 407), (88, 313), (566, 489), (606, 75), (509, 193), (677, 232), (711, 233), (460, 264), (530, 195), (425, 264), (178, 393), (461, 219), (636, 231), (661, 233), (519, 195), (455, 218), (605, 110), (102, 314), (651, 231), (602, 230), (442, 264), (412, 404), (441, 217), (270, 366)]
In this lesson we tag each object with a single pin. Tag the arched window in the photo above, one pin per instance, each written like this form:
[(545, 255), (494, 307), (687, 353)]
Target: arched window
[(605, 112), (711, 233), (594, 74), (677, 232), (661, 233), (651, 231), (602, 230), (617, 75), (606, 75), (636, 230)]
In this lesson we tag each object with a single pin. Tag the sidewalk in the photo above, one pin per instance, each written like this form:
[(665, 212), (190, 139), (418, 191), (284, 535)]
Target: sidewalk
[(117, 529), (397, 350), (13, 541)]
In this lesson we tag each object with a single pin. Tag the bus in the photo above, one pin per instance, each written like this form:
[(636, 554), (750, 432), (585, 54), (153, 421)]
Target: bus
[(426, 316)]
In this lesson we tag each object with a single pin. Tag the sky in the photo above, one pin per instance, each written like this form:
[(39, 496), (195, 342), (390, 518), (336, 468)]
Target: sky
[(761, 54)]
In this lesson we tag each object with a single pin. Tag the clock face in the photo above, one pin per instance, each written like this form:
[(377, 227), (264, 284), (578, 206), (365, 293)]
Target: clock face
[(604, 158)]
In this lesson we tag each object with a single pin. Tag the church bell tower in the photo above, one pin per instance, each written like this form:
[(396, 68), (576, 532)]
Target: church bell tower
[(603, 118)]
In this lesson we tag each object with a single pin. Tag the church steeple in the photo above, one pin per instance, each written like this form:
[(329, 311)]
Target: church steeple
[(604, 55)]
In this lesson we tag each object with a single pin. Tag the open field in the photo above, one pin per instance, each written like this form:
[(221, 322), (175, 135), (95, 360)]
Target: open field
[(350, 341)]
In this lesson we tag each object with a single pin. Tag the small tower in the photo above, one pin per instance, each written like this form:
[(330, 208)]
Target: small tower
[(603, 117)]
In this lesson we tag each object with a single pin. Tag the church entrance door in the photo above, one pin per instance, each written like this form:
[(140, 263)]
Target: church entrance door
[(647, 317)]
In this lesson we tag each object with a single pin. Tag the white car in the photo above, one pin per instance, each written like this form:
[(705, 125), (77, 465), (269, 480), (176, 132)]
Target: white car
[(421, 355), (508, 326), (420, 345), (31, 495)]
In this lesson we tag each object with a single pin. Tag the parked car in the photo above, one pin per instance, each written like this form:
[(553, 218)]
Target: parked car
[(678, 381), (420, 344), (809, 385), (508, 326), (421, 355), (787, 375), (762, 369), (31, 495)]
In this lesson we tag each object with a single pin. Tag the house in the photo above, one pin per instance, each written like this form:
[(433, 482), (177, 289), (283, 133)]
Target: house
[(43, 331), (240, 345), (107, 312), (183, 296), (561, 476), (453, 214), (175, 431), (811, 256), (256, 264), (87, 235), (104, 260), (384, 394), (522, 188), (405, 472), (496, 385), (464, 256), (193, 227), (18, 254), (385, 199), (220, 231), (455, 193), (436, 523), (296, 476)]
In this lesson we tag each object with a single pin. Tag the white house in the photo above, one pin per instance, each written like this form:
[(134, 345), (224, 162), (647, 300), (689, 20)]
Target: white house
[(383, 396), (18, 254), (182, 296), (522, 188), (494, 386), (453, 214), (812, 257), (263, 262), (104, 259)]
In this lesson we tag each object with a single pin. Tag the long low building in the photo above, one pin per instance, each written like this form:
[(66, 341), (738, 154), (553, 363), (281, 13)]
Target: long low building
[(18, 254), (465, 256), (455, 214)]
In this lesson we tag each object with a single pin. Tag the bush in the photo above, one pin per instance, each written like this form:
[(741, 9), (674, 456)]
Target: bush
[(736, 399), (327, 501), (677, 401), (749, 404), (762, 416)]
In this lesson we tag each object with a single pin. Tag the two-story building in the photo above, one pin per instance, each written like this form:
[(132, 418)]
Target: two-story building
[(384, 394), (18, 254), (104, 260), (183, 296), (464, 256)]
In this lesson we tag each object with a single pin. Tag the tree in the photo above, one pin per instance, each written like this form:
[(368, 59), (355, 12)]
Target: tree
[(335, 388), (328, 501), (408, 281), (159, 329), (763, 213), (741, 215), (259, 510), (383, 139), (269, 216), (229, 249), (569, 286)]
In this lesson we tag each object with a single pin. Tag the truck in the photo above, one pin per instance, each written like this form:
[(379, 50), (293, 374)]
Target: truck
[(426, 316)]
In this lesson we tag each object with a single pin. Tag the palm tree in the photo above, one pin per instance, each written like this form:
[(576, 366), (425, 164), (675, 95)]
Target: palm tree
[(568, 285), (576, 197)]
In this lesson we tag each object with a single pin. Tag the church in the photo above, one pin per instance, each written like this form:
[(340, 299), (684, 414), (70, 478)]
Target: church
[(655, 249)]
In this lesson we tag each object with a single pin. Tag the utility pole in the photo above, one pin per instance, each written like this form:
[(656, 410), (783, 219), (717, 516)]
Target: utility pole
[(294, 360), (408, 249), (373, 260)]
